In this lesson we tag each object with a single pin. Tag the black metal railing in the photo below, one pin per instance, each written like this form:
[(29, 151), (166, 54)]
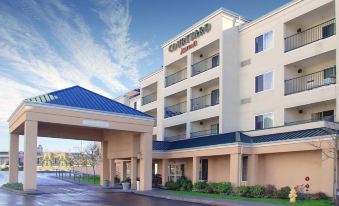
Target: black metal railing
[(311, 81), (175, 137), (176, 109), (206, 64), (176, 77), (149, 98), (204, 133), (313, 34), (319, 118), (203, 101)]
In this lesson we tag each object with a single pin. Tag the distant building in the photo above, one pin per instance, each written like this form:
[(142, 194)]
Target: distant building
[(131, 98)]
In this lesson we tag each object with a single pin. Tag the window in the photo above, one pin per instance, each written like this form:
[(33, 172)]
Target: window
[(325, 115), (215, 61), (176, 171), (264, 121), (264, 82), (264, 42), (135, 105), (244, 168), (328, 30), (214, 129), (203, 173)]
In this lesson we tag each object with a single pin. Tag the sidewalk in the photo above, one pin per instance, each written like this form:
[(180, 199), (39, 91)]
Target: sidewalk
[(202, 200)]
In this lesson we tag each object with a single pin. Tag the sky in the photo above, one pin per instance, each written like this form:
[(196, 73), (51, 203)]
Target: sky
[(103, 45)]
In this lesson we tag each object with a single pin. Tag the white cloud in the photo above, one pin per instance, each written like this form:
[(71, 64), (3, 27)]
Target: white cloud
[(50, 45)]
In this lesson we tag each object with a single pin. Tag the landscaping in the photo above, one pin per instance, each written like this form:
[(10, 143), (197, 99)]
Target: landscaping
[(14, 186), (256, 193)]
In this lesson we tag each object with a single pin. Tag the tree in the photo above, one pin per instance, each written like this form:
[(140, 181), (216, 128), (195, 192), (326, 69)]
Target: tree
[(92, 152), (330, 150)]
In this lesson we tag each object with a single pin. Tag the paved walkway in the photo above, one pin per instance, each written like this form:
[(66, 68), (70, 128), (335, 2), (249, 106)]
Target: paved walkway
[(58, 192), (203, 200)]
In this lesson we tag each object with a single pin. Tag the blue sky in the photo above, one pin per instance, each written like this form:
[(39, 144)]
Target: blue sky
[(105, 46)]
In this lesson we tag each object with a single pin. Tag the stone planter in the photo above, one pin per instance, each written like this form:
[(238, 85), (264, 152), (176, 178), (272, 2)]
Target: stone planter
[(126, 186)]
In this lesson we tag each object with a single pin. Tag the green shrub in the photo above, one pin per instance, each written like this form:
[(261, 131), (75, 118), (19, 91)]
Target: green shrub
[(116, 179), (257, 191), (171, 185), (222, 187), (14, 186), (186, 185), (270, 191), (283, 192), (244, 191), (210, 188), (200, 186)]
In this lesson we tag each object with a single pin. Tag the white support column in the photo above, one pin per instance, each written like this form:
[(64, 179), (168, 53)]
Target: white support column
[(196, 169), (164, 171), (30, 156), (112, 169), (134, 172), (146, 162), (104, 172), (13, 158)]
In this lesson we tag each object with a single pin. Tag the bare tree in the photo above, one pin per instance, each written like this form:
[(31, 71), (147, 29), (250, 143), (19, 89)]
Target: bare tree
[(92, 152), (330, 150), (71, 160)]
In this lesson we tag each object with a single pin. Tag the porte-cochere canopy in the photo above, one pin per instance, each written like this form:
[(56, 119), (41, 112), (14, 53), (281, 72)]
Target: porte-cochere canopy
[(77, 113)]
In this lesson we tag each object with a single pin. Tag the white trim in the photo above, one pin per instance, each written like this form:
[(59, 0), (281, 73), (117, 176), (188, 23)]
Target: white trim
[(268, 15), (82, 110)]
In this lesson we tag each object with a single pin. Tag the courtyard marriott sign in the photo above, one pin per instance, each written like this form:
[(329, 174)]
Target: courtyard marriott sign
[(189, 41)]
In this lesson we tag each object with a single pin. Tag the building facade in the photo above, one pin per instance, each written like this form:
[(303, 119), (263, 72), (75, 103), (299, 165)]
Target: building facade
[(249, 102)]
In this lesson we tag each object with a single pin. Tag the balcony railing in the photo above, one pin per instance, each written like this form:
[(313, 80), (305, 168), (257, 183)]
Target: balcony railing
[(149, 98), (176, 77), (316, 33), (205, 64), (311, 81), (204, 101), (175, 137), (330, 118), (176, 109), (204, 133)]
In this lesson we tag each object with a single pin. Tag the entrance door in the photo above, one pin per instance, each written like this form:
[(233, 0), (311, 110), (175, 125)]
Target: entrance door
[(215, 97)]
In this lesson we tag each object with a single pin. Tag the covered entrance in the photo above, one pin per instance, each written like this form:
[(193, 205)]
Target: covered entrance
[(77, 113)]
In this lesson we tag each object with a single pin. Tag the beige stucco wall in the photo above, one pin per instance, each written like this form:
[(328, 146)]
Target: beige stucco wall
[(290, 169), (219, 168)]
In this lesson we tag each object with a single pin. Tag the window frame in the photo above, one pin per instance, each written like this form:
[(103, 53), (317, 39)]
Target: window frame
[(263, 120), (263, 42), (264, 90)]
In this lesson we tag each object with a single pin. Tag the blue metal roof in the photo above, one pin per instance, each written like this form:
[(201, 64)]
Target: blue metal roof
[(232, 137), (79, 97)]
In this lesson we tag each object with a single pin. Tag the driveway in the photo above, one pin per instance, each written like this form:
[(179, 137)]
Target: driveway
[(58, 192)]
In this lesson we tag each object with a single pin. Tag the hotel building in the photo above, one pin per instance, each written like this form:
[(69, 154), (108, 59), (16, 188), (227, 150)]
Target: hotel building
[(249, 102)]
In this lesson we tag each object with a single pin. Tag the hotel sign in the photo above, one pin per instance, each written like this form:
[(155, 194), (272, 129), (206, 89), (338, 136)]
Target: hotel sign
[(189, 41)]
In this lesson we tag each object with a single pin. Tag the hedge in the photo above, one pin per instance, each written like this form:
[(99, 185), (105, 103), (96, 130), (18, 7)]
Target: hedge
[(256, 191)]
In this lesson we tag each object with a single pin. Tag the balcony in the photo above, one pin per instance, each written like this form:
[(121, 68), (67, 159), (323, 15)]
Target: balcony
[(175, 137), (206, 64), (315, 112), (311, 81), (176, 77), (176, 109), (205, 101), (149, 98), (204, 133), (310, 35)]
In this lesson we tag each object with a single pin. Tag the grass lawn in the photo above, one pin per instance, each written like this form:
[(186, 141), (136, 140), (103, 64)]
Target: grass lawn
[(266, 200), (91, 179)]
